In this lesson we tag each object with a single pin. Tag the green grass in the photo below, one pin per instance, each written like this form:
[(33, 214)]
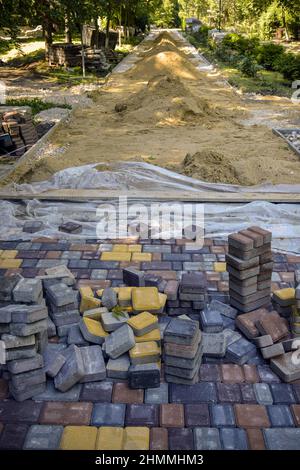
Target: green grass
[(27, 59), (36, 104)]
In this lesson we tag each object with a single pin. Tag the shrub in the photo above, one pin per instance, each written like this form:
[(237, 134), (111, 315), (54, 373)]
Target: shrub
[(241, 44), (289, 66), (268, 54), (249, 67)]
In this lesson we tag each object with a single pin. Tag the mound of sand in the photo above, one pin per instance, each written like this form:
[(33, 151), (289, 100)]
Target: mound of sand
[(210, 165)]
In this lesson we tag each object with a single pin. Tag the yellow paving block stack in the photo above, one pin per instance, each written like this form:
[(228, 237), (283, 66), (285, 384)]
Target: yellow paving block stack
[(145, 353), (145, 299), (154, 335), (143, 323)]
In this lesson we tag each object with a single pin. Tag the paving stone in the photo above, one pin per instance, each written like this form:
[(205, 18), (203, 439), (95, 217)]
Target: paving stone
[(100, 392), (158, 395), (280, 416), (240, 264), (250, 372), (119, 342), (43, 437), (295, 409), (251, 416), (231, 336), (24, 413), (272, 351), (222, 415), (233, 439), (110, 438), (181, 439), (108, 414), (53, 360), (247, 392), (144, 353), (33, 226), (232, 373), (274, 326), (20, 353), (13, 436), (203, 392), (3, 390), (159, 439), (255, 439), (123, 394), (52, 394), (8, 284), (12, 341), (229, 393), (75, 336), (144, 376), (61, 295), (27, 290), (118, 368), (240, 351), (282, 393), (171, 290), (62, 413), (79, 438), (214, 344), (285, 367), (95, 313), (285, 297), (24, 380), (263, 341), (210, 373), (136, 438), (142, 415), (133, 277), (25, 393), (263, 394), (154, 335), (72, 371), (223, 309), (145, 299), (282, 438), (65, 318), (143, 323), (109, 298), (296, 389), (92, 331), (27, 329), (93, 363), (172, 415), (207, 439), (173, 362), (211, 321), (112, 322), (51, 328), (182, 350), (267, 375)]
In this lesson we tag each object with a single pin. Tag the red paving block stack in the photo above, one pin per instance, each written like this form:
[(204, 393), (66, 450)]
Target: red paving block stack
[(249, 263)]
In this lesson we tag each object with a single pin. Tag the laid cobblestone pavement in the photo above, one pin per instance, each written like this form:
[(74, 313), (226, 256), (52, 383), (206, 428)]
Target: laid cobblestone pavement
[(230, 406)]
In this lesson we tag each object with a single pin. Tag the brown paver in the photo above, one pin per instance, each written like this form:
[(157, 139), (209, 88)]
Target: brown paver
[(123, 394), (296, 414), (256, 439), (66, 413), (251, 375), (172, 415), (3, 389), (232, 373), (251, 416), (159, 439)]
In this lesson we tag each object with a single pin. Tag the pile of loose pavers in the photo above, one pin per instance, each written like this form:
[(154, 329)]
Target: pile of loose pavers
[(145, 349)]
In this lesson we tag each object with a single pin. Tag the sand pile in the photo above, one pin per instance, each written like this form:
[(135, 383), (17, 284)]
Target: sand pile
[(210, 165)]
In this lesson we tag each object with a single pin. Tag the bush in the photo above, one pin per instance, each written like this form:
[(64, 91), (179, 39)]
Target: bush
[(249, 67), (36, 104), (244, 46), (289, 66), (268, 54)]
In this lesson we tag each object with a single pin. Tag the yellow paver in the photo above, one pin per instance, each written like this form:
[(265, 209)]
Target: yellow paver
[(135, 248), (94, 313), (145, 298), (89, 303), (153, 335), (94, 327), (162, 299), (285, 294), (110, 438), (136, 438), (10, 263), (145, 352), (141, 257), (119, 248), (8, 254), (141, 321), (220, 267), (124, 296), (79, 438), (115, 256)]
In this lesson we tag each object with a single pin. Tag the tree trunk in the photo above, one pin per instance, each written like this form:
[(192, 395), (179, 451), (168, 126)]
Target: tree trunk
[(107, 29), (82, 54), (68, 33), (287, 36), (97, 32), (48, 37)]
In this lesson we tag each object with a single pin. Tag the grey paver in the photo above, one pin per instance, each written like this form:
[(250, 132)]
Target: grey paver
[(27, 290), (61, 295), (52, 394), (118, 368), (27, 329), (93, 362), (214, 344), (144, 376), (43, 437), (207, 439), (282, 438), (263, 394), (12, 341), (156, 396), (25, 365), (109, 298), (119, 342), (234, 439), (211, 321), (241, 351), (111, 322), (71, 372)]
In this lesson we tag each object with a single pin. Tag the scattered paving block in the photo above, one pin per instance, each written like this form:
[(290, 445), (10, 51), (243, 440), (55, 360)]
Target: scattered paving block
[(25, 365), (118, 368), (119, 342), (233, 439), (231, 336), (207, 439), (70, 227), (143, 323), (222, 415), (108, 414), (66, 413), (65, 318), (29, 313), (95, 313), (109, 298), (133, 277), (181, 331), (33, 226), (110, 438), (223, 309), (8, 283), (63, 331), (211, 321), (23, 329), (263, 394), (72, 371), (136, 438), (284, 297), (79, 438), (52, 394), (92, 330), (11, 341), (28, 290), (240, 351), (93, 363), (13, 436), (43, 437), (75, 337), (144, 376), (144, 353), (251, 416), (88, 303), (171, 290), (60, 294), (20, 353), (153, 335), (145, 299), (247, 322), (282, 438), (263, 341), (111, 321), (272, 351), (273, 325), (214, 345), (26, 393), (159, 439), (158, 395), (124, 296)]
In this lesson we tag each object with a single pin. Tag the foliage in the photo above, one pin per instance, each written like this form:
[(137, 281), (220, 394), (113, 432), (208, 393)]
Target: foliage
[(268, 54), (249, 67), (241, 44), (36, 104), (289, 65)]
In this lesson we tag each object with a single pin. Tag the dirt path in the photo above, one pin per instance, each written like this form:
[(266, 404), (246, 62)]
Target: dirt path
[(166, 109)]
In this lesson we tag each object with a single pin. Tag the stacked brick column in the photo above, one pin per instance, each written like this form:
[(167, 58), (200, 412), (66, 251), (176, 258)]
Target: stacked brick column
[(249, 263)]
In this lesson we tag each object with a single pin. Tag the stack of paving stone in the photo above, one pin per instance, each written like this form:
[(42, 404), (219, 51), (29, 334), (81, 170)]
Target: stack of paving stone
[(23, 331), (249, 263), (20, 126), (283, 301), (295, 316), (182, 351)]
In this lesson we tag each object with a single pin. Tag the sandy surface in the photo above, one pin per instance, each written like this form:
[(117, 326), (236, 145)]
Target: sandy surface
[(171, 114)]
